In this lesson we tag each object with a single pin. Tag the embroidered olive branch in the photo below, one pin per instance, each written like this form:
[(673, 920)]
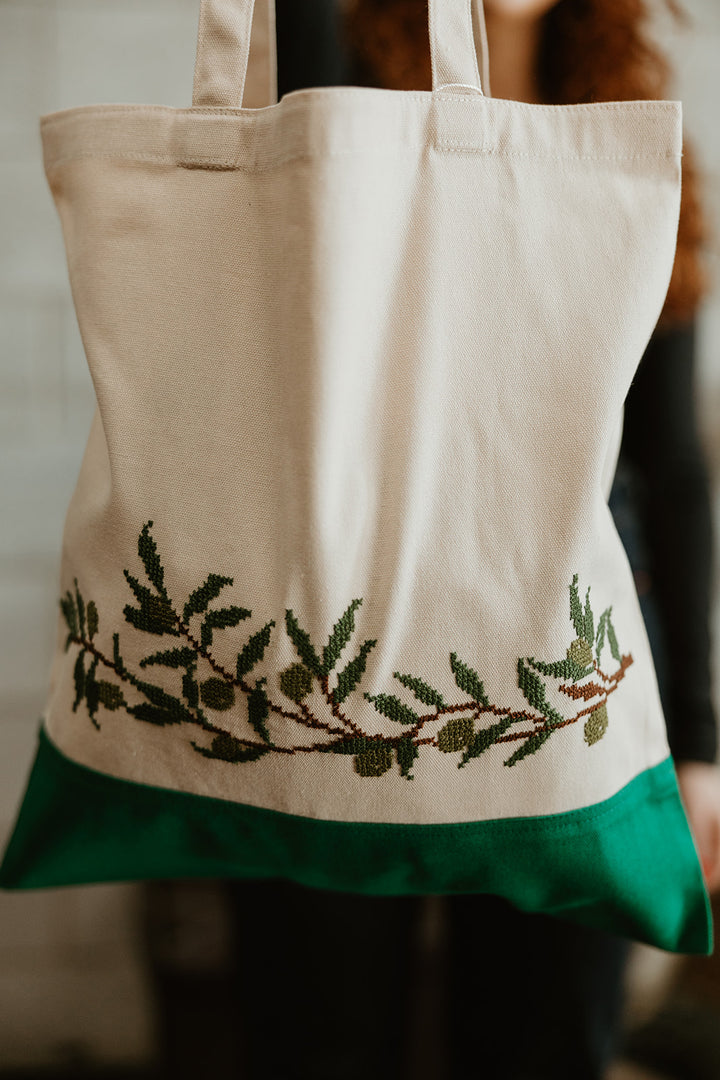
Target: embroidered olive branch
[(372, 755)]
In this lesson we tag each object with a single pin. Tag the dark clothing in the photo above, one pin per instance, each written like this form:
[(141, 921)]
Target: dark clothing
[(661, 505)]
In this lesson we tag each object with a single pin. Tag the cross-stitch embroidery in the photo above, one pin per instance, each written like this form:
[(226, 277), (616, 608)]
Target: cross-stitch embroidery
[(578, 675)]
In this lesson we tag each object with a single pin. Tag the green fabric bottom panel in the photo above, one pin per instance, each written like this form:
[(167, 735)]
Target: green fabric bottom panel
[(627, 865)]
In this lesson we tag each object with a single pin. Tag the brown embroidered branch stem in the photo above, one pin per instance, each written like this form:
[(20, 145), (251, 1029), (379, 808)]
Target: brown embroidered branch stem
[(337, 711)]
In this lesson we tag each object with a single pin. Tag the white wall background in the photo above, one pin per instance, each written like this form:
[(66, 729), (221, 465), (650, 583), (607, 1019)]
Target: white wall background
[(72, 985)]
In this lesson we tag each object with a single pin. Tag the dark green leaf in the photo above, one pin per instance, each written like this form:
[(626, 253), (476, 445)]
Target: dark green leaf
[(190, 689), (601, 634), (612, 640), (92, 691), (80, 609), (220, 620), (576, 611), (342, 631), (468, 680), (153, 714), (484, 739), (259, 711), (533, 743), (421, 690), (534, 690), (346, 746), (79, 677), (164, 701), (589, 633), (561, 669), (302, 643), (172, 658), (147, 550), (92, 619), (351, 674), (392, 707), (226, 747), (254, 650), (406, 752), (67, 604), (199, 599)]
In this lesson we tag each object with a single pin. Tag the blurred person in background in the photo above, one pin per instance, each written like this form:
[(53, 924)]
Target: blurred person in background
[(327, 980)]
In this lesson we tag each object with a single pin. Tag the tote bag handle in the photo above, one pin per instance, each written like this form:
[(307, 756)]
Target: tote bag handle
[(226, 29)]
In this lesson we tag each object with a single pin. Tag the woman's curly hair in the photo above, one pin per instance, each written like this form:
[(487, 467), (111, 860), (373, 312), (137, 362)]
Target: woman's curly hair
[(591, 50)]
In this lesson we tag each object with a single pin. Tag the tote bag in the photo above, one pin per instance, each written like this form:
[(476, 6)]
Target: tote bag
[(341, 598)]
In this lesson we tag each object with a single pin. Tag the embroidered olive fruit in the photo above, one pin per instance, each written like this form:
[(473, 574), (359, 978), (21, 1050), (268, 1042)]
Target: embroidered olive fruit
[(580, 652), (296, 682), (217, 694), (596, 725), (374, 761), (456, 734)]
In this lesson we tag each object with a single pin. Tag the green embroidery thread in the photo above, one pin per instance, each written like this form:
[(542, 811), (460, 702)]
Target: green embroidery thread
[(578, 674)]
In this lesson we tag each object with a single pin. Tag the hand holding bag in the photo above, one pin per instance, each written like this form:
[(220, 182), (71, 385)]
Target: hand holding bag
[(341, 598)]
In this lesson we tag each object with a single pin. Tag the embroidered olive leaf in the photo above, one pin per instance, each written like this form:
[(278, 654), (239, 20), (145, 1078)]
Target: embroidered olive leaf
[(468, 680), (350, 676), (600, 640), (533, 689), (421, 690), (612, 640), (576, 611), (80, 609), (259, 710), (560, 669), (392, 707), (147, 550), (375, 759), (67, 606), (110, 695), (226, 747), (341, 634), (254, 650), (172, 658), (406, 752), (155, 614), (92, 691), (589, 632), (220, 620), (79, 678), (92, 619), (346, 746), (302, 643), (153, 714), (164, 701), (530, 746), (190, 688), (484, 739), (117, 658), (198, 600)]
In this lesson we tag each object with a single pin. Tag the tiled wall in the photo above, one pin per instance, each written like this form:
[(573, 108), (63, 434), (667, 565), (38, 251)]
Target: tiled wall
[(72, 984)]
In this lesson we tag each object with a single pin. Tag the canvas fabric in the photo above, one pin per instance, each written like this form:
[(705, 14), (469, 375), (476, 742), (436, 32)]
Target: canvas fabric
[(360, 359)]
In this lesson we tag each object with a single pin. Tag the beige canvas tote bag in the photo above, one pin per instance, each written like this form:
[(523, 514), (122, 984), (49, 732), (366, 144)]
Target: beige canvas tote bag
[(341, 599)]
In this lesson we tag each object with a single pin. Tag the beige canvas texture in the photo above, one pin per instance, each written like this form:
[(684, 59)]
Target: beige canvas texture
[(362, 345)]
